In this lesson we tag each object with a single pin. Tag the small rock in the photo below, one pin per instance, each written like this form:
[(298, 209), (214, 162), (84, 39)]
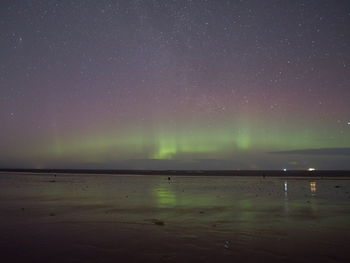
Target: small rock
[(337, 186), (52, 214), (158, 222), (227, 244)]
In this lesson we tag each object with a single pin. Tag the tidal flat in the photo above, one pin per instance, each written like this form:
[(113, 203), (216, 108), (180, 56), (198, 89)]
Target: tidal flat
[(140, 218)]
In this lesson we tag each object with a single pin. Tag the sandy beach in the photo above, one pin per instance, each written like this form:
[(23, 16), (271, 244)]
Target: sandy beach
[(135, 218)]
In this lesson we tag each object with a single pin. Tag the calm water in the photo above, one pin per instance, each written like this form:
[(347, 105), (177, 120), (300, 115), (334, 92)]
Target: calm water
[(102, 218)]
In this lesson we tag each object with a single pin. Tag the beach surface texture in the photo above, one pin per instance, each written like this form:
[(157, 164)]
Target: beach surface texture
[(136, 218)]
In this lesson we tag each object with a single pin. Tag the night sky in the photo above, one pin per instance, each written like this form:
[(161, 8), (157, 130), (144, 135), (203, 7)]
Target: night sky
[(175, 84)]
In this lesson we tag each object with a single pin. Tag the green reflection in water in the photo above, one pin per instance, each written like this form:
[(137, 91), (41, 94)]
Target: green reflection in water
[(164, 197), (245, 210)]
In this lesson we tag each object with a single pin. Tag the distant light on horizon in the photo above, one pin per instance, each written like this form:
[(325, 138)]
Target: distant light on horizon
[(311, 169)]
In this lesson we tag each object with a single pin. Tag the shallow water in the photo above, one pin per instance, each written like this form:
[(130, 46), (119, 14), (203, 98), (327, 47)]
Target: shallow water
[(105, 218)]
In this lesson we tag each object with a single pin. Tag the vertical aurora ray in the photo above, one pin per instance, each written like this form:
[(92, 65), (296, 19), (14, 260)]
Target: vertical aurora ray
[(174, 83)]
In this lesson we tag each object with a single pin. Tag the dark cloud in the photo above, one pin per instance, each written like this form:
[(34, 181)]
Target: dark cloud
[(322, 151)]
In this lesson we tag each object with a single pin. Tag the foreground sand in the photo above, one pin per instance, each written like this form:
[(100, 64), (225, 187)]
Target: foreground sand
[(106, 218)]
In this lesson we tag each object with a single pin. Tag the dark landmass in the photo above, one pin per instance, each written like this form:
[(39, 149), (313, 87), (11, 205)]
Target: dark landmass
[(301, 173)]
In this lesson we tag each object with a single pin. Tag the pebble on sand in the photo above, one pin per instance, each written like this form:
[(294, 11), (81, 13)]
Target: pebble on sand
[(158, 222)]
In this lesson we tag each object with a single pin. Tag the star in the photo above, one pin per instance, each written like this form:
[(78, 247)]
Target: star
[(130, 79)]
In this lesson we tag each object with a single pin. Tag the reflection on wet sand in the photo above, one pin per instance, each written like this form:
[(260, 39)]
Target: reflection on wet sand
[(182, 219), (164, 197), (285, 186), (286, 207), (313, 188)]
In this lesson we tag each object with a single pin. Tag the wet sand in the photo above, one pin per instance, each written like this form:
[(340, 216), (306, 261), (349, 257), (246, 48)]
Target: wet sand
[(135, 218)]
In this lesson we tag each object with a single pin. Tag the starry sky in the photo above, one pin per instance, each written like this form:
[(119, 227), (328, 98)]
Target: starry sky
[(171, 84)]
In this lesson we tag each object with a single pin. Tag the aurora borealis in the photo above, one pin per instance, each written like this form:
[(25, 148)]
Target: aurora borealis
[(175, 84)]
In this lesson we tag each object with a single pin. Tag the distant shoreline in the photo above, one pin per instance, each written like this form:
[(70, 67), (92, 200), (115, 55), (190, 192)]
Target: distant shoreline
[(267, 173)]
